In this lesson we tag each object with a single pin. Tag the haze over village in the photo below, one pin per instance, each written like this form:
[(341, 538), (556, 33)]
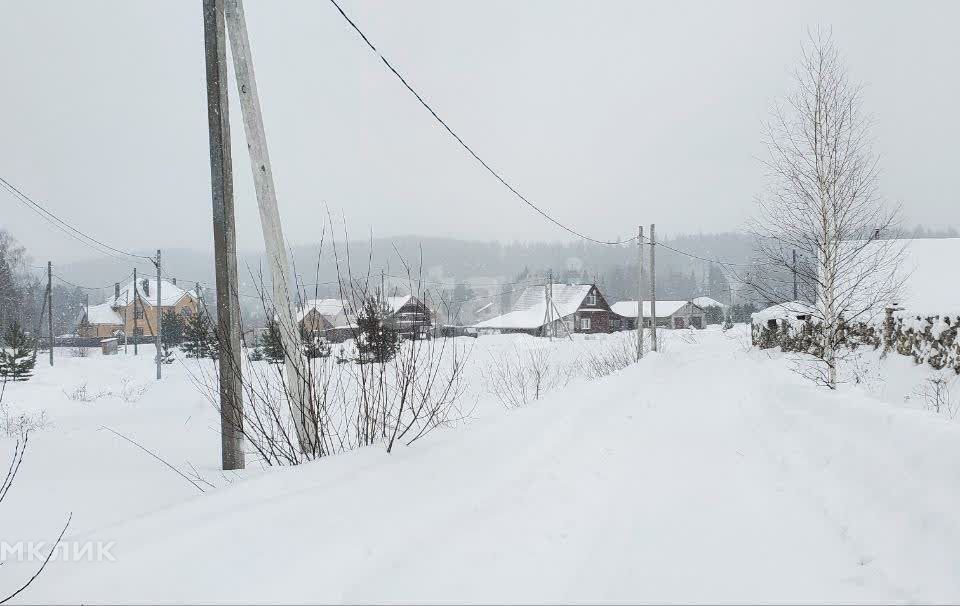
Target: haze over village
[(343, 301)]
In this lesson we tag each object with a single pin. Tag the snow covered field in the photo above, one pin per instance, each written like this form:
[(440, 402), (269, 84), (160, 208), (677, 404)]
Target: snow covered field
[(709, 472)]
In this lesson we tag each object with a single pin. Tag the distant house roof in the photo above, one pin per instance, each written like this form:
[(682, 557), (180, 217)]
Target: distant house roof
[(100, 314), (926, 272), (665, 309), (791, 311), (705, 302), (325, 307), (170, 293), (530, 311)]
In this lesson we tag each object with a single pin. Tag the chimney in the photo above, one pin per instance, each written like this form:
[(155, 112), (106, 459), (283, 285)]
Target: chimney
[(173, 281), (116, 292), (145, 283)]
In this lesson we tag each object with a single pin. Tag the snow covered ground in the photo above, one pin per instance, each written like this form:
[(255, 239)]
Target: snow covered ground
[(709, 472)]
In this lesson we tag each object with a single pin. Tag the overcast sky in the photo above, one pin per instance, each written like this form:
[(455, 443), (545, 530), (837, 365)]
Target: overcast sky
[(605, 113)]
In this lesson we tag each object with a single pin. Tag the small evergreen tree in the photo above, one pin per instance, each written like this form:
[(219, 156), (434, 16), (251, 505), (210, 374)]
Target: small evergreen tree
[(376, 341), (18, 354), (271, 343), (166, 353), (172, 328), (256, 354), (314, 346), (199, 337)]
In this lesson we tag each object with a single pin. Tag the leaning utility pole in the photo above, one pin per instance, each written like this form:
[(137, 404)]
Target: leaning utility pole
[(159, 317), (224, 237), (653, 288), (50, 307), (305, 416), (136, 296), (639, 292)]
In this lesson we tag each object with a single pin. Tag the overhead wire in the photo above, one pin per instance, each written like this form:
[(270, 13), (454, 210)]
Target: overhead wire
[(64, 226), (464, 145)]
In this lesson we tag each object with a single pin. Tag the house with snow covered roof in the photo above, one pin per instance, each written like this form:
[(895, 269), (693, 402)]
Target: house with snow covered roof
[(670, 314), (575, 308), (132, 309), (409, 316), (335, 319), (705, 302)]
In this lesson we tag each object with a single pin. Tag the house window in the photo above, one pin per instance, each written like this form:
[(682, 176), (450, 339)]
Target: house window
[(138, 314), (186, 312), (138, 332), (584, 323), (592, 298)]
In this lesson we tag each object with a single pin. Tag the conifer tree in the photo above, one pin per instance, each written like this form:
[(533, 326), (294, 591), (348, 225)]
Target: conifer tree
[(18, 354), (272, 343), (377, 341), (199, 337)]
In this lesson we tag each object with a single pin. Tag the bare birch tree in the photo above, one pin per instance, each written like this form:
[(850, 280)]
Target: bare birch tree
[(823, 203)]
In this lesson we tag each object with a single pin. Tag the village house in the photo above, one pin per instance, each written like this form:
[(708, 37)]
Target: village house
[(670, 314), (132, 309), (575, 308), (334, 319)]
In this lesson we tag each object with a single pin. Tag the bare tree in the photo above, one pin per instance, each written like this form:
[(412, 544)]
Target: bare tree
[(823, 203)]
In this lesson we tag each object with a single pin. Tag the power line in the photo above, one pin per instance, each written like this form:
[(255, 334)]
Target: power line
[(463, 144), (80, 286), (61, 223)]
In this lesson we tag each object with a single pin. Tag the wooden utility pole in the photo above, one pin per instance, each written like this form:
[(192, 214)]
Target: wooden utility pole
[(224, 237), (653, 288), (639, 292), (136, 297), (50, 307), (297, 381), (548, 296), (159, 318), (126, 304), (794, 274)]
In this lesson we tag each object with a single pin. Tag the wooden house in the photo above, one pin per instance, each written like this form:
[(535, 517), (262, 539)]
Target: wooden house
[(575, 308), (670, 314)]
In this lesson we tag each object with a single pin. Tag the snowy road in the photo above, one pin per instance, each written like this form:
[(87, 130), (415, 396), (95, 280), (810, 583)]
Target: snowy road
[(706, 473)]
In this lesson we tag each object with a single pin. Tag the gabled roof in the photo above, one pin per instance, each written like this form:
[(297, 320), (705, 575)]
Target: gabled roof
[(665, 309), (170, 293), (530, 311), (325, 307), (704, 302), (791, 311), (100, 314), (926, 274)]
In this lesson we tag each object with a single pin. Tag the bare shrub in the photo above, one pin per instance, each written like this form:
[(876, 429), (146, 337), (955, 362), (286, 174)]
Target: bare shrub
[(130, 391), (937, 395), (515, 379), (81, 393), (19, 424), (350, 399), (22, 426), (79, 352), (618, 352)]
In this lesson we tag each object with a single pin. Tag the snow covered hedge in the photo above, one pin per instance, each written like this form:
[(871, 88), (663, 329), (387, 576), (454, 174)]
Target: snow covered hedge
[(927, 338)]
